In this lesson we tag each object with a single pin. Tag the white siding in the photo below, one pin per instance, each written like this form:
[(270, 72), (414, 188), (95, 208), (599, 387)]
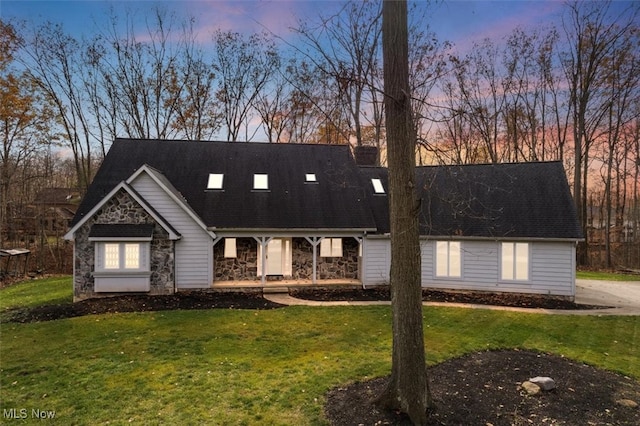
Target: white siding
[(552, 267), (194, 251), (376, 260)]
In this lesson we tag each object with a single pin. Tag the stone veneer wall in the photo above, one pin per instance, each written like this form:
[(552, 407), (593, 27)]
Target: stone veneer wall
[(340, 267), (123, 209), (245, 265), (241, 268)]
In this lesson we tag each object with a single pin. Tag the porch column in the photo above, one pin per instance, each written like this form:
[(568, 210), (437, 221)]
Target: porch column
[(213, 258), (263, 241), (314, 241), (360, 241)]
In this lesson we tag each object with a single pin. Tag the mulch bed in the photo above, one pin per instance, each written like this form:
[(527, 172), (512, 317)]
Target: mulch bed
[(484, 389), (143, 303), (477, 298)]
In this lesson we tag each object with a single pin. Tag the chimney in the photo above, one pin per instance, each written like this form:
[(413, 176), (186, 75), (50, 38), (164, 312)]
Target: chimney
[(366, 155)]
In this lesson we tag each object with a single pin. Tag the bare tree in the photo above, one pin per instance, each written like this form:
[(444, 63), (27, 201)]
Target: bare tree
[(345, 48), (408, 389), (245, 65), (53, 60), (25, 123), (592, 36)]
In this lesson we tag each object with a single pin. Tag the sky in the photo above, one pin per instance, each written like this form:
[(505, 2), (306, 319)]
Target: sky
[(459, 21)]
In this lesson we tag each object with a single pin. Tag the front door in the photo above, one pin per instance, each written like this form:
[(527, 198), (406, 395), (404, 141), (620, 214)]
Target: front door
[(274, 257)]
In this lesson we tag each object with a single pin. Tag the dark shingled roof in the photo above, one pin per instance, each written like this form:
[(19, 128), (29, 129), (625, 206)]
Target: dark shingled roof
[(337, 201), (525, 200), (121, 230)]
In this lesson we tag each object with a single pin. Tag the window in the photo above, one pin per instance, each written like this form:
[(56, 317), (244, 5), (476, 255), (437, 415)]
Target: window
[(115, 257), (310, 178), (260, 181), (515, 261), (230, 248), (448, 259), (331, 247), (215, 181), (377, 186)]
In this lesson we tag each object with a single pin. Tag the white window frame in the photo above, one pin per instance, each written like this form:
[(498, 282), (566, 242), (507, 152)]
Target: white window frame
[(515, 261), (143, 248), (448, 259)]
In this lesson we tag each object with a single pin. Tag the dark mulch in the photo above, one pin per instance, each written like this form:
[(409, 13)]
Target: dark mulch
[(242, 300), (484, 389), (477, 298), (141, 303)]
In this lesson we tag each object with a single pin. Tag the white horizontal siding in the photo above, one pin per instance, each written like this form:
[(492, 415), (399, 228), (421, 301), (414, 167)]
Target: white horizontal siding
[(552, 269), (376, 261), (194, 251)]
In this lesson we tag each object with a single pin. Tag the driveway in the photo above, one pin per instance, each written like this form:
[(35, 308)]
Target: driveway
[(620, 294)]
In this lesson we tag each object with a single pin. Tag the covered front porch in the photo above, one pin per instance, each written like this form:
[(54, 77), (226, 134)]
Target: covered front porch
[(280, 285), (277, 261)]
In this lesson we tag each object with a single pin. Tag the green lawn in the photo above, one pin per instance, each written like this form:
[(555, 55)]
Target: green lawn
[(606, 276), (252, 367)]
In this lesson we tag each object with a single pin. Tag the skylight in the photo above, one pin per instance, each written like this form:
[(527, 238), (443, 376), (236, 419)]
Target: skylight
[(260, 181), (377, 186), (310, 177), (215, 181)]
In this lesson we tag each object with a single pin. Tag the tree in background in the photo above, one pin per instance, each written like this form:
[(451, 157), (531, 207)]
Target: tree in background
[(245, 65), (26, 119), (593, 40), (408, 388)]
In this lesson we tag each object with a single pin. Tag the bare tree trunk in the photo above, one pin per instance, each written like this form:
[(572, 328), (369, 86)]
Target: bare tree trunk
[(408, 389)]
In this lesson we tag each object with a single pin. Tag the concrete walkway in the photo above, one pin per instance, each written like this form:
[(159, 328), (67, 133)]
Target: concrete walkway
[(623, 298)]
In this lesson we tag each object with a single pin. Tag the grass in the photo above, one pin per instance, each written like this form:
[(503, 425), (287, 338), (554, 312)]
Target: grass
[(252, 367), (49, 291), (606, 276)]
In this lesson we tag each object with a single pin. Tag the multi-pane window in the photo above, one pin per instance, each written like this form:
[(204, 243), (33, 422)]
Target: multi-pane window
[(122, 256), (515, 261), (132, 256), (448, 259), (111, 256)]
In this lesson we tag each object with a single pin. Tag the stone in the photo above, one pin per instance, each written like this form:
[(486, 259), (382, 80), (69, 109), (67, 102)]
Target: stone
[(545, 383), (629, 403), (531, 388)]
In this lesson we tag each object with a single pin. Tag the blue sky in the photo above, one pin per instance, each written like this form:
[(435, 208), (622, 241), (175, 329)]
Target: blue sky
[(455, 20)]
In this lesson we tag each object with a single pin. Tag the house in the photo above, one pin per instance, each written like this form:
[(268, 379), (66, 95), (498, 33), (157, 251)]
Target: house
[(163, 216)]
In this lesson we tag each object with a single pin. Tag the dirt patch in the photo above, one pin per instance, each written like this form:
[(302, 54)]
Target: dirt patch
[(477, 298), (142, 303), (484, 389)]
